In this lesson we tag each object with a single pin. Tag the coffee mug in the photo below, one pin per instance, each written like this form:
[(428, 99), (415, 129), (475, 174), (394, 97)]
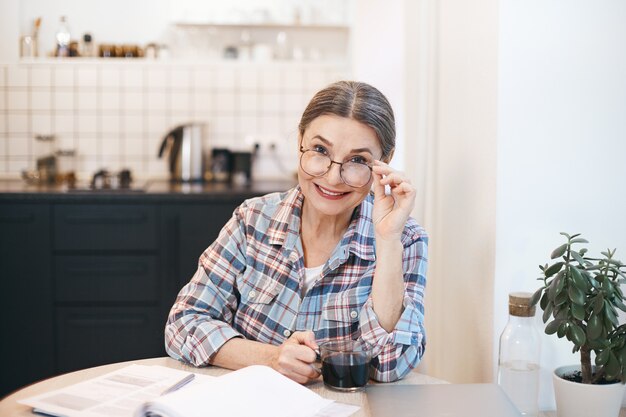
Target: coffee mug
[(345, 364)]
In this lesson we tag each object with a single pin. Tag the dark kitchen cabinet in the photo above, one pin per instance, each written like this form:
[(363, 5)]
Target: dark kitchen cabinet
[(90, 336), (26, 327), (187, 230), (88, 279), (106, 286)]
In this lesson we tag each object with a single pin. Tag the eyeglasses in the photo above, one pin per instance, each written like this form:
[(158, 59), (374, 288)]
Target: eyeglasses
[(354, 172)]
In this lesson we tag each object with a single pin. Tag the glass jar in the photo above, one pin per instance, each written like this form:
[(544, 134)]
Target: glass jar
[(518, 359)]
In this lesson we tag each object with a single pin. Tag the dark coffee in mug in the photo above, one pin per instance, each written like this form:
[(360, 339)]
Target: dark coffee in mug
[(345, 364), (345, 371)]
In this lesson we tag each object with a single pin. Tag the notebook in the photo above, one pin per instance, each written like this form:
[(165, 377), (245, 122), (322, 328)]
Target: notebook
[(439, 400)]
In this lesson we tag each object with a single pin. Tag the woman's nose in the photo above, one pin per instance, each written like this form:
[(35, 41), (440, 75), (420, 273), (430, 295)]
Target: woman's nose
[(333, 176)]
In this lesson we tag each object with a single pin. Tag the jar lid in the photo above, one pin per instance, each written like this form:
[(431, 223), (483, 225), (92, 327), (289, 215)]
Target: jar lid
[(519, 304)]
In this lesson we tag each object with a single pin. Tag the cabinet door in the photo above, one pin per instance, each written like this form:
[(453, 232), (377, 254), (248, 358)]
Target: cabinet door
[(187, 230), (26, 328), (106, 278), (105, 227), (91, 336)]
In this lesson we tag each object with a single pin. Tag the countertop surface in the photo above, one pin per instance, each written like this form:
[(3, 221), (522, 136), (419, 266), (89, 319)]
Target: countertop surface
[(150, 190)]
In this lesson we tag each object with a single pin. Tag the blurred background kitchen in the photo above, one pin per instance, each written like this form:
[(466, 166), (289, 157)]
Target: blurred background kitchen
[(510, 120), (131, 72)]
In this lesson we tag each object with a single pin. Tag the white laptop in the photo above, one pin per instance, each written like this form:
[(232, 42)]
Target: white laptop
[(439, 400)]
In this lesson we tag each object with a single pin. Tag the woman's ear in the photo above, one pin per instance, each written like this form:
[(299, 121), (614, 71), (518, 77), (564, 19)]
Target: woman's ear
[(388, 158)]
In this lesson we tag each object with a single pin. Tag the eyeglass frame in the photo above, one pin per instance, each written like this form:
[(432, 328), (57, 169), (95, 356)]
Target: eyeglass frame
[(302, 151)]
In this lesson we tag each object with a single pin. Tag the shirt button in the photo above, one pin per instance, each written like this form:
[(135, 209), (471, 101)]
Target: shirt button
[(354, 314), (286, 333), (252, 294)]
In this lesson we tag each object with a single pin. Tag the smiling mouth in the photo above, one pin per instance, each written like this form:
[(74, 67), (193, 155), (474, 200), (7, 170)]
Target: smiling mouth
[(328, 193)]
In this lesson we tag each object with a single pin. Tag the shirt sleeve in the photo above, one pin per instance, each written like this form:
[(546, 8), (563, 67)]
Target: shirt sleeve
[(199, 322), (397, 352)]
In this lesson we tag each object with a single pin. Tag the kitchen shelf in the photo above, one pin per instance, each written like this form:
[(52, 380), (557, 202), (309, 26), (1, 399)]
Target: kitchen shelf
[(264, 26)]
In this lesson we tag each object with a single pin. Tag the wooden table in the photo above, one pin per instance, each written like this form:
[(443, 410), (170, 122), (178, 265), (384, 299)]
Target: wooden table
[(10, 407)]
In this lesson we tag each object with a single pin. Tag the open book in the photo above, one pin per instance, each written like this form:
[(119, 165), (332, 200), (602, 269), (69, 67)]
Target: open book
[(137, 391)]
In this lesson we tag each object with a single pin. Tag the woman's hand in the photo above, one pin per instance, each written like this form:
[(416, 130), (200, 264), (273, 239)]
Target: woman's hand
[(295, 356), (391, 211)]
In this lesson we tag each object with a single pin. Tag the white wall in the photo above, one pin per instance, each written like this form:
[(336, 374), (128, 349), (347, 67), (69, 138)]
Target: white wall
[(561, 143), (378, 57)]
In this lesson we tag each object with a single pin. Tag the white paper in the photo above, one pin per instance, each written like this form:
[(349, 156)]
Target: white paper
[(135, 391), (257, 391), (116, 394)]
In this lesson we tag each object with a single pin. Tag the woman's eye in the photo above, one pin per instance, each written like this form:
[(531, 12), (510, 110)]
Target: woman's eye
[(319, 149), (358, 160)]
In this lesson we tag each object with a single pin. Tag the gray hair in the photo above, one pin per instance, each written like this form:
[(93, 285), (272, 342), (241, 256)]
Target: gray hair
[(358, 101)]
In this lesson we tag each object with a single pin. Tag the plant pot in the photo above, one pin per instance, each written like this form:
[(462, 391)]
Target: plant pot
[(574, 399)]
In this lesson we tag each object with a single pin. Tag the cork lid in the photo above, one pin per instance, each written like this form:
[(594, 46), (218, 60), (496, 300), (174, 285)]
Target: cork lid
[(519, 304)]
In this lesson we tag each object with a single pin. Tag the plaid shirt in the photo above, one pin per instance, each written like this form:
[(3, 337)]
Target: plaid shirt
[(248, 285)]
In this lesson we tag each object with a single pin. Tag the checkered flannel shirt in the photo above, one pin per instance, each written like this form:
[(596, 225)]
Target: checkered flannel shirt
[(248, 285)]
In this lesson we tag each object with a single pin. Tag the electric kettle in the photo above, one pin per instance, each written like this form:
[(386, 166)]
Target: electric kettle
[(186, 155)]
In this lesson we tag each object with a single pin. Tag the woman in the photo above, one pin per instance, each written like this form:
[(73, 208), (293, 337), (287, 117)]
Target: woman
[(326, 260)]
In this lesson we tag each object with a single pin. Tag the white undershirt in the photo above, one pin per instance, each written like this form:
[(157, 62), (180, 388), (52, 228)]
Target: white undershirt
[(311, 275)]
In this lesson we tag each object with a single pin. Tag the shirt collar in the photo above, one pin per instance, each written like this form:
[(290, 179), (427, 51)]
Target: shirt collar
[(284, 227), (359, 238)]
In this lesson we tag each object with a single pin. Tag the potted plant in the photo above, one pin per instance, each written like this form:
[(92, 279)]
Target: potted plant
[(580, 298)]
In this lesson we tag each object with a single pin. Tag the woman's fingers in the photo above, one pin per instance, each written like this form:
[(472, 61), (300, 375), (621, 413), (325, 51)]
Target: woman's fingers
[(295, 362), (296, 355), (306, 338)]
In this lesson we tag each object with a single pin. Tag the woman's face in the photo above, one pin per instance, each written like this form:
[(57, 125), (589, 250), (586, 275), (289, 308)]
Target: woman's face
[(342, 139)]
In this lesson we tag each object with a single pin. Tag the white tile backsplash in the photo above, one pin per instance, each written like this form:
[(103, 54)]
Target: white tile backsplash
[(87, 76), (87, 100), (133, 101), (248, 103), (17, 123), (42, 124), (18, 146), (64, 123), (271, 103), (224, 103), (132, 78), (41, 99), (132, 123), (133, 147), (157, 78), (87, 123), (4, 147), (18, 100), (180, 78), (109, 78), (63, 76), (63, 100), (40, 77), (157, 101), (89, 146), (111, 146), (17, 76), (115, 114), (225, 80), (248, 80), (181, 101), (110, 99)]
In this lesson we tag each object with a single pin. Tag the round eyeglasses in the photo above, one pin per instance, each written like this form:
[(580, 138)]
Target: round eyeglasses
[(353, 173)]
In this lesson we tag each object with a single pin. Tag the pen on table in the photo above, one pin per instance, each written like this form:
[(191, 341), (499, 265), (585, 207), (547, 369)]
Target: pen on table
[(179, 384)]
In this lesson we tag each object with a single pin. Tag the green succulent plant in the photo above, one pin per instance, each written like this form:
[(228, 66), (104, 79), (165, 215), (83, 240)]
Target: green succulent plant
[(580, 297)]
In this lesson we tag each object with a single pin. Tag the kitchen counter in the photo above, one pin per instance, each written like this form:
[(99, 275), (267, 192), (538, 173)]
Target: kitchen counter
[(153, 190)]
